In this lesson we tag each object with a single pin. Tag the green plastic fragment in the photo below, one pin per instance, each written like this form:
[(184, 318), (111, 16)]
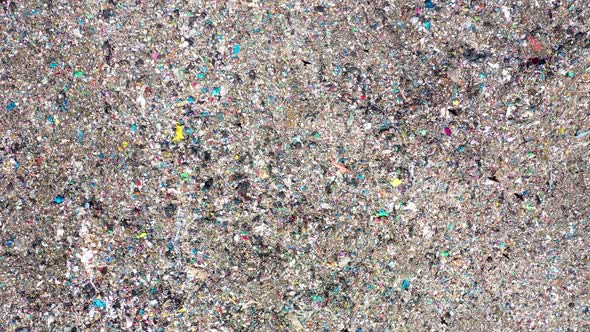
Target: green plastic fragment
[(382, 213)]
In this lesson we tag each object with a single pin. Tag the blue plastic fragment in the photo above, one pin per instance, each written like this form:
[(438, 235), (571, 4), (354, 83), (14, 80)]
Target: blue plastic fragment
[(405, 284), (100, 304)]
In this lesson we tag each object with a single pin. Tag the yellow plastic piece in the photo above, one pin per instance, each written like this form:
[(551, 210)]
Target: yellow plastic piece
[(179, 133), (396, 182)]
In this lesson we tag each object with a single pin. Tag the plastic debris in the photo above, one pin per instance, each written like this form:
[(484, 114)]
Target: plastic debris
[(294, 165)]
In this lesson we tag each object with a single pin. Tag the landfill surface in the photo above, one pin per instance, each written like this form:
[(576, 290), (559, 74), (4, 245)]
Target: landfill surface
[(400, 165)]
